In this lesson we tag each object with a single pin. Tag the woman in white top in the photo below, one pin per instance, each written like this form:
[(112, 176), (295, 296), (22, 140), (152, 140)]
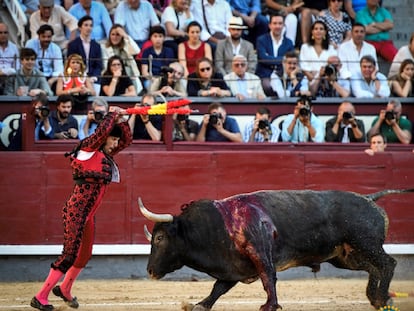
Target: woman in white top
[(314, 55)]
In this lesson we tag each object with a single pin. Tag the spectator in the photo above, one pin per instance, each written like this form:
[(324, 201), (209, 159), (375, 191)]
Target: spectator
[(405, 52), (64, 124), (175, 20), (161, 55), (28, 80), (9, 57), (251, 13), (292, 82), (137, 17), (159, 6), (378, 22), (121, 44), (345, 127), (184, 129), (50, 59), (74, 80), (351, 51), (192, 50), (261, 128), (115, 80), (368, 82), (56, 16), (337, 21), (243, 84), (303, 125), (315, 53), (402, 83), (353, 6), (214, 17), (377, 143), (308, 14), (43, 129), (234, 45), (217, 126), (271, 48), (146, 127), (391, 124), (288, 9), (90, 122), (88, 48), (332, 80), (171, 82), (102, 22), (205, 82)]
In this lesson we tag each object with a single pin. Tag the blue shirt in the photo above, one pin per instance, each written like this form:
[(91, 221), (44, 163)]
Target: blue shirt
[(245, 6), (158, 60), (230, 124), (49, 61), (91, 130), (300, 133), (258, 137)]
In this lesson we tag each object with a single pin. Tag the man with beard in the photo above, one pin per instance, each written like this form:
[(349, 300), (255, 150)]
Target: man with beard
[(234, 45), (64, 125)]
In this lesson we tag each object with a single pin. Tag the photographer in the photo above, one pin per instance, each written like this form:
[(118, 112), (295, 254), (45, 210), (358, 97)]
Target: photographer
[(261, 129), (170, 83), (331, 81), (345, 127), (184, 129), (390, 123), (303, 125), (41, 112), (216, 126), (90, 122)]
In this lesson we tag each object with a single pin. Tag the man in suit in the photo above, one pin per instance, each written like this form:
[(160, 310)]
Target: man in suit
[(271, 47), (234, 45), (88, 48)]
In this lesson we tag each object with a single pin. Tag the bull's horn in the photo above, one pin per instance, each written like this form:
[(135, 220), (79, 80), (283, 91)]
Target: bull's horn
[(154, 217), (148, 234)]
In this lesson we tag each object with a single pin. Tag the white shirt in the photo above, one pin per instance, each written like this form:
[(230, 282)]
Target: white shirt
[(350, 57), (362, 89), (311, 61), (9, 59), (169, 15)]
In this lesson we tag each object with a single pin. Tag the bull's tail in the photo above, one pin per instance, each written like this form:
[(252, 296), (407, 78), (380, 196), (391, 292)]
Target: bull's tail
[(377, 195)]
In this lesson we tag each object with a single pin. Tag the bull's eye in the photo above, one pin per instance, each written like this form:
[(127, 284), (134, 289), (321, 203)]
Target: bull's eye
[(158, 239)]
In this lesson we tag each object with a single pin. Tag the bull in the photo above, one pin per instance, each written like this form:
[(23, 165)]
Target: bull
[(253, 235)]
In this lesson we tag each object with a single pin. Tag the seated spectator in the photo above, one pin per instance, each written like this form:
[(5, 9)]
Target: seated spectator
[(271, 48), (378, 22), (93, 57), (64, 124), (337, 21), (308, 14), (402, 83), (137, 17), (368, 82), (217, 126), (350, 52), (391, 124), (115, 80), (146, 127), (288, 9), (102, 22), (175, 20), (377, 143), (9, 57), (90, 122), (261, 128), (74, 80), (121, 44), (303, 125), (28, 80), (315, 53), (161, 55), (50, 59), (52, 14), (292, 82), (205, 82), (332, 80), (234, 45), (192, 50), (243, 84), (345, 127), (171, 82), (184, 129), (405, 52)]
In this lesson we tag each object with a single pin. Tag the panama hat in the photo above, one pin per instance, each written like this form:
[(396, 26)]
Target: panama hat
[(236, 23)]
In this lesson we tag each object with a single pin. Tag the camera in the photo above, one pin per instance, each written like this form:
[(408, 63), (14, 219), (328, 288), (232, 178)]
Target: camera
[(181, 117), (166, 69), (330, 70), (44, 111), (304, 111), (98, 115), (214, 117), (263, 124), (347, 115), (389, 115)]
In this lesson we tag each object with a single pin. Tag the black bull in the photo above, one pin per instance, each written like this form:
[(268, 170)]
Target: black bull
[(250, 236)]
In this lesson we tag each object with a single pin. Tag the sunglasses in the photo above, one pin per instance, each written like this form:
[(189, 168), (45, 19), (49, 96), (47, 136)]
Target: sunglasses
[(240, 65), (205, 69)]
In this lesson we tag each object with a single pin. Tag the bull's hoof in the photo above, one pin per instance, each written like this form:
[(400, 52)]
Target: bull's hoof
[(270, 308), (185, 306), (200, 308)]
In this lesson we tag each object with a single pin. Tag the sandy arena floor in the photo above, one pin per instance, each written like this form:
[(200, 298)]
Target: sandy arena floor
[(143, 295)]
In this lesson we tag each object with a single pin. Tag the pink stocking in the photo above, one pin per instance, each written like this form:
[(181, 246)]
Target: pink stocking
[(67, 283), (50, 282)]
